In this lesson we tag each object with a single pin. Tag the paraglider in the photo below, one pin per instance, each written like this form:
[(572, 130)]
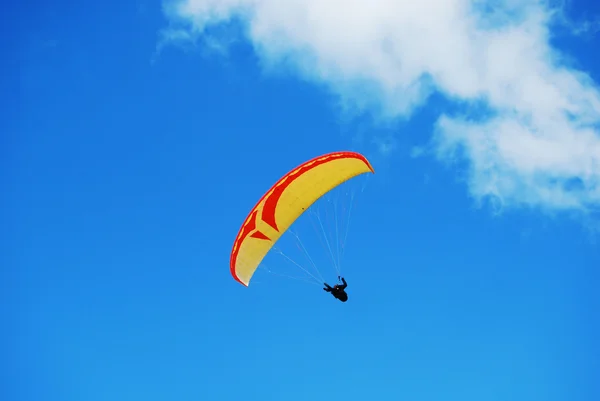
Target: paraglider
[(338, 290), (287, 200)]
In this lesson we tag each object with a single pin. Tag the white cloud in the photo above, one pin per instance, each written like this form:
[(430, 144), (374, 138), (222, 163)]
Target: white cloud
[(538, 142)]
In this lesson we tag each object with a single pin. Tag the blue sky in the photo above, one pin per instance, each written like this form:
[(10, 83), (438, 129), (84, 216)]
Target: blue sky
[(136, 136)]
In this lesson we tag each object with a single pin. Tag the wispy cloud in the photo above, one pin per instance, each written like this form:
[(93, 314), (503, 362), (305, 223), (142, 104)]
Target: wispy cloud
[(528, 125)]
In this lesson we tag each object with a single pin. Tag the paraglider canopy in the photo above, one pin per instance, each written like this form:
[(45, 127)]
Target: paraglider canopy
[(291, 196)]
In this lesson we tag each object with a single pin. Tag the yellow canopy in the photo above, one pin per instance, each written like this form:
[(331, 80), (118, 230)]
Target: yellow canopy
[(291, 196)]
